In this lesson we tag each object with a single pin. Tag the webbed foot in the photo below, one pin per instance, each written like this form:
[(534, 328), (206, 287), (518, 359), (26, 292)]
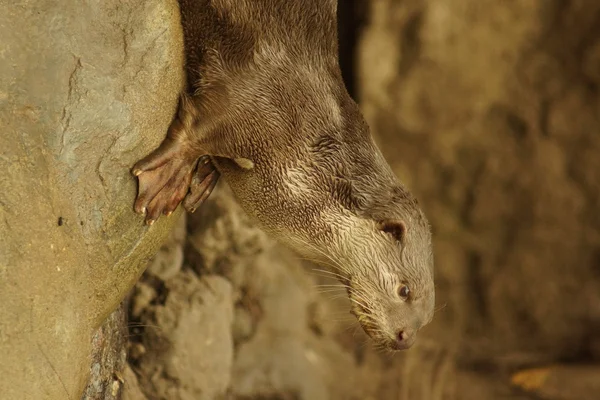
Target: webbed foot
[(165, 177)]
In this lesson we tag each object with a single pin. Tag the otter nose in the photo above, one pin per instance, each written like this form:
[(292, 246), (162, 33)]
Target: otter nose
[(404, 339)]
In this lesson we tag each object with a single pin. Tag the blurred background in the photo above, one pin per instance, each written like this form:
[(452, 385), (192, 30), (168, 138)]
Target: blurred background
[(489, 112)]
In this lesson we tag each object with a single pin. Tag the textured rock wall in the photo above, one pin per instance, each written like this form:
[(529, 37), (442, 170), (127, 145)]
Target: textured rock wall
[(86, 88), (109, 357)]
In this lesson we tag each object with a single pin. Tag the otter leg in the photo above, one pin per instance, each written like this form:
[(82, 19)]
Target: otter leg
[(166, 174)]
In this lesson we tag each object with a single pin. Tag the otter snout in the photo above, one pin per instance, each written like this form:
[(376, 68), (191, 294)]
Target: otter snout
[(405, 338)]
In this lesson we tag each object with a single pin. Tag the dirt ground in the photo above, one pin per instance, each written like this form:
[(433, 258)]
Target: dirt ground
[(489, 112)]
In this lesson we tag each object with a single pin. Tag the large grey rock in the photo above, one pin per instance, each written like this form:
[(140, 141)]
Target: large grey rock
[(86, 89)]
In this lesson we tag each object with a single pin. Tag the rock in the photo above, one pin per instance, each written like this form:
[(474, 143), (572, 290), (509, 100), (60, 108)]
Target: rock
[(131, 387), (271, 365), (283, 358), (243, 325), (109, 354), (222, 239), (190, 346), (143, 295), (86, 89), (277, 359), (169, 259)]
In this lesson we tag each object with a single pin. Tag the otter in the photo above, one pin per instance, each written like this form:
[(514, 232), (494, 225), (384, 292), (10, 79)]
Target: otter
[(267, 110)]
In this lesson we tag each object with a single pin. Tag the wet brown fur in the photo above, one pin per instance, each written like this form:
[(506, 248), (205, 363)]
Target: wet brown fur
[(267, 103)]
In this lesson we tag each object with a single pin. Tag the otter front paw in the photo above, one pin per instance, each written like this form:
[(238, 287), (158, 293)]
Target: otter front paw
[(164, 179)]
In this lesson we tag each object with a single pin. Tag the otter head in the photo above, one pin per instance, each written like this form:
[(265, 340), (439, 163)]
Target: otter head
[(390, 283)]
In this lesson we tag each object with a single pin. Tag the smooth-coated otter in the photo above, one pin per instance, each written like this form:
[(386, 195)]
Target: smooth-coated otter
[(267, 109)]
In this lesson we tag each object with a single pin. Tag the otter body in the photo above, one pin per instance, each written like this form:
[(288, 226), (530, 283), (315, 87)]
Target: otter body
[(266, 109)]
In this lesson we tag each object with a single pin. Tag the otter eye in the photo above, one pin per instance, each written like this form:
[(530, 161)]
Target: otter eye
[(403, 291)]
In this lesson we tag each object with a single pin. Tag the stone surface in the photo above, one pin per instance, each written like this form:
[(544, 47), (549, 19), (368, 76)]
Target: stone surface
[(131, 387), (277, 358), (86, 89), (189, 345), (168, 261), (109, 356)]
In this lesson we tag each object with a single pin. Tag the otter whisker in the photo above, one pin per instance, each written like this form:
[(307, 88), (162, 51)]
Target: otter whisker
[(365, 285), (331, 290), (331, 298), (367, 308), (319, 251), (321, 275), (318, 261), (361, 304), (381, 349), (331, 295), (362, 313), (355, 328), (330, 273), (440, 308), (336, 263), (361, 301), (141, 324), (340, 290), (342, 315), (341, 319), (340, 286), (360, 297)]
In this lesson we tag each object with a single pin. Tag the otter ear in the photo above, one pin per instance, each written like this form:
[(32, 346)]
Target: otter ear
[(395, 228)]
